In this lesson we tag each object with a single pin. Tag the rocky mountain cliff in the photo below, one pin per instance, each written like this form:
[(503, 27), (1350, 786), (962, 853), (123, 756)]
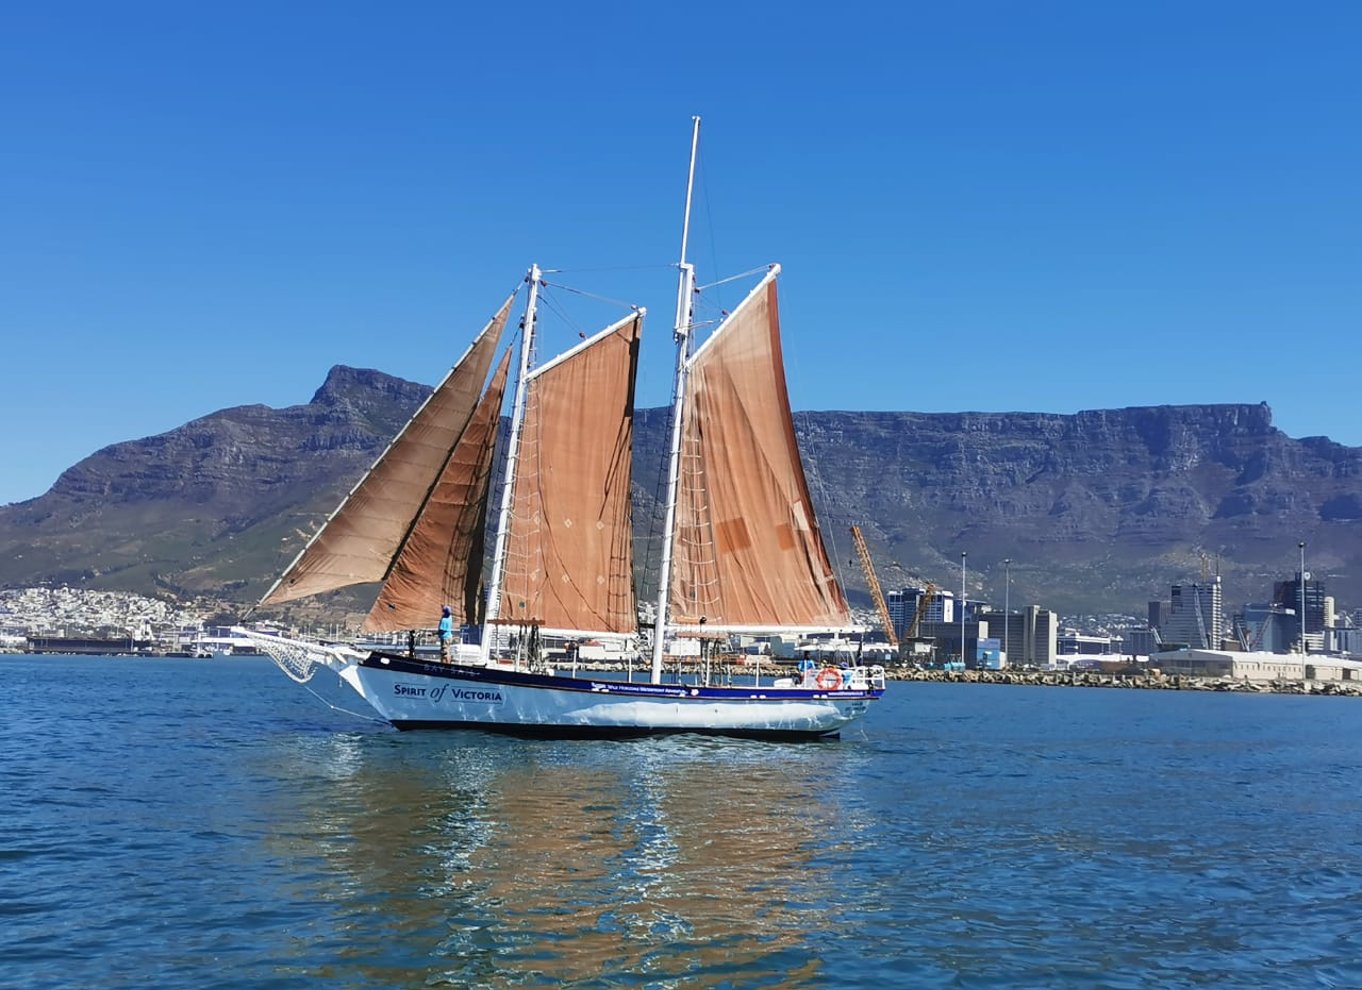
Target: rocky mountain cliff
[(1101, 510), (1106, 506)]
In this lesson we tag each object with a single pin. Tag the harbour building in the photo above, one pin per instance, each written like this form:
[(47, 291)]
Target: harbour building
[(1071, 642), (1026, 638), (1010, 631), (1194, 616), (900, 611), (1140, 642), (939, 608), (1270, 628), (1346, 640), (1040, 636), (1287, 594), (948, 636), (1158, 614)]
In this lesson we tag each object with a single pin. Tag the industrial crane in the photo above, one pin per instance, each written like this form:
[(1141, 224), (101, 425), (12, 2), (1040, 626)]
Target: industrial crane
[(874, 583), (924, 600)]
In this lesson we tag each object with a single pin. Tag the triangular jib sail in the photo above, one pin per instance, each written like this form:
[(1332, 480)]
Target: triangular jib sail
[(441, 561), (748, 550), (362, 538), (569, 552)]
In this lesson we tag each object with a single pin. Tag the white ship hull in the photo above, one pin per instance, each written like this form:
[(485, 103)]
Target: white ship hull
[(417, 694)]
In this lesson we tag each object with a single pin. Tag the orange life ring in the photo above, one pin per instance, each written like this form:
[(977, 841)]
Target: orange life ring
[(829, 679)]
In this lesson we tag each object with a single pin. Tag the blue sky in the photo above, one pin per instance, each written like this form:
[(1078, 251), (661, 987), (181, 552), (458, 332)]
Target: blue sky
[(983, 205)]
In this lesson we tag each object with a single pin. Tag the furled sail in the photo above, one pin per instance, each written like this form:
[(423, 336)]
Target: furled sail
[(569, 552), (441, 561), (748, 551), (360, 540)]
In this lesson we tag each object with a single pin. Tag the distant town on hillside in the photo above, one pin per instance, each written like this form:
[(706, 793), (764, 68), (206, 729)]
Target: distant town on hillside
[(930, 622)]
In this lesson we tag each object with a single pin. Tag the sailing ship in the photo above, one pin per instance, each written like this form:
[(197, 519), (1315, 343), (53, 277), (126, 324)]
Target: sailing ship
[(741, 548)]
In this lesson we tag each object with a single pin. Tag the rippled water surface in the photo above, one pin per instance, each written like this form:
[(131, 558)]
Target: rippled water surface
[(176, 823)]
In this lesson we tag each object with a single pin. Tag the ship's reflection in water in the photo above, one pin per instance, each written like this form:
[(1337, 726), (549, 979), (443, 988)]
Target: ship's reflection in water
[(471, 860)]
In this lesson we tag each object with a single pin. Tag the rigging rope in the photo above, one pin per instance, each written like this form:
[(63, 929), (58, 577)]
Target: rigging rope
[(694, 535), (591, 295), (608, 268), (300, 661), (733, 278), (820, 494), (346, 711), (546, 299), (702, 193)]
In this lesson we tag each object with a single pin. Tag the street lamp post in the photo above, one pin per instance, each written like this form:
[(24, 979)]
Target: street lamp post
[(1007, 603), (962, 607)]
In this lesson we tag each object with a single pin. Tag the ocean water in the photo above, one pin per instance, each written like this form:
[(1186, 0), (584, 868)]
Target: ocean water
[(179, 823)]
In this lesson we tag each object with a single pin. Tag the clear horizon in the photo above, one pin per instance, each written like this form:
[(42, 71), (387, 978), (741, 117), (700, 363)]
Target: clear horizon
[(992, 209)]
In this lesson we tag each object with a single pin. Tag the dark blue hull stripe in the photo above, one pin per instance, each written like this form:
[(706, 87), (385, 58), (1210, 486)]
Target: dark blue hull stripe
[(597, 685)]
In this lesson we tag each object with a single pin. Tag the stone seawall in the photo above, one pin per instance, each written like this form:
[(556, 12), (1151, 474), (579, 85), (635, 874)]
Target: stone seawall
[(1151, 682)]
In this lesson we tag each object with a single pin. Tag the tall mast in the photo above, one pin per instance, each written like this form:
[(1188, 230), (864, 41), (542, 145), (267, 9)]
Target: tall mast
[(685, 304), (512, 457)]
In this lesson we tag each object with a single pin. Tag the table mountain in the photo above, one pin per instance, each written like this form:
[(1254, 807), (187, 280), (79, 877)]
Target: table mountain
[(1100, 510)]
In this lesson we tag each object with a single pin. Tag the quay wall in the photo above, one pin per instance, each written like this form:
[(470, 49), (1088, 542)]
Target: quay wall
[(1154, 681)]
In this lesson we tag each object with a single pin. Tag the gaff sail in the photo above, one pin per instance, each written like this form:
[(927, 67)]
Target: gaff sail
[(748, 550), (569, 552)]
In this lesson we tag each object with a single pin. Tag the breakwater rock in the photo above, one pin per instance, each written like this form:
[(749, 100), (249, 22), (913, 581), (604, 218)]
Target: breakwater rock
[(1153, 681)]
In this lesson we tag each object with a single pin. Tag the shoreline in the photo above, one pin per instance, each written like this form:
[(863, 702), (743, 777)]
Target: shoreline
[(1140, 682), (1156, 681)]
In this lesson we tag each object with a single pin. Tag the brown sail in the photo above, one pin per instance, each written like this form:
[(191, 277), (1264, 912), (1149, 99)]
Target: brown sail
[(360, 540), (570, 548), (441, 561), (748, 551)]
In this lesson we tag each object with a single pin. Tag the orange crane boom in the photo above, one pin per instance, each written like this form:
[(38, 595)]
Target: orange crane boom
[(874, 584)]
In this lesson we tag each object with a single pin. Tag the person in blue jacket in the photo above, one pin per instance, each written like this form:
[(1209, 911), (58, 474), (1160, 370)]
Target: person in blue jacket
[(446, 633)]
